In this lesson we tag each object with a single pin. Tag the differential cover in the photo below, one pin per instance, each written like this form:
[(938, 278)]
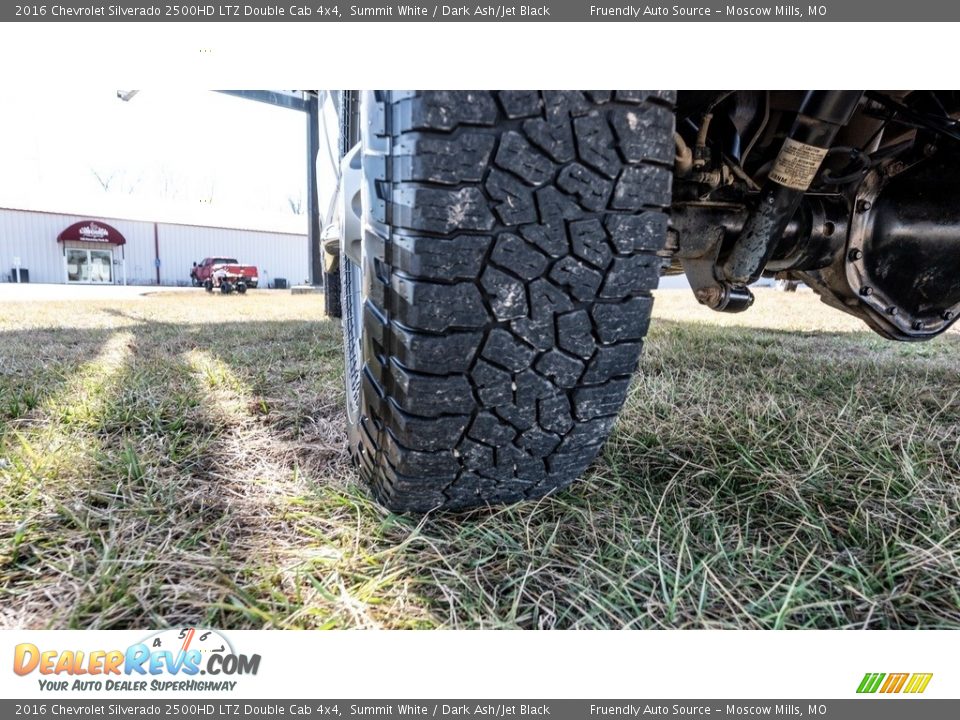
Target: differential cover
[(904, 246)]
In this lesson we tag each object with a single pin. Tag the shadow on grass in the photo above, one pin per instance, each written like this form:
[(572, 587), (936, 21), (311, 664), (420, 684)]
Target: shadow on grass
[(30, 372), (756, 479)]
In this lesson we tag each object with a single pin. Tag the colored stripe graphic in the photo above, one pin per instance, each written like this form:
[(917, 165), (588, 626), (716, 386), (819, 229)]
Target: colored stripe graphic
[(918, 682), (894, 683), (870, 682)]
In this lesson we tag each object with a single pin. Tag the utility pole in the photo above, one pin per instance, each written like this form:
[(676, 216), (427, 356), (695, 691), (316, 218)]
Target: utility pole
[(313, 212)]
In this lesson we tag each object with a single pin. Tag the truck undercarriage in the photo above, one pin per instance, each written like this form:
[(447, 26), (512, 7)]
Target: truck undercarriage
[(850, 192)]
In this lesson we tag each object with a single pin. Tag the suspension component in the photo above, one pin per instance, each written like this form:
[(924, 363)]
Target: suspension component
[(725, 298), (821, 115), (702, 231)]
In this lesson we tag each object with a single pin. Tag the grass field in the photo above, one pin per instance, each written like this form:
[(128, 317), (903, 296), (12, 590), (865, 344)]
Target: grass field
[(180, 459)]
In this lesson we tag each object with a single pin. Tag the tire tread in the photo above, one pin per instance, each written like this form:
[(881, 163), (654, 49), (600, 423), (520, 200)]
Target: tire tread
[(510, 290)]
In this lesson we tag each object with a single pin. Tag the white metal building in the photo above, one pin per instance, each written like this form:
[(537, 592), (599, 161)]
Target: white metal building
[(62, 248)]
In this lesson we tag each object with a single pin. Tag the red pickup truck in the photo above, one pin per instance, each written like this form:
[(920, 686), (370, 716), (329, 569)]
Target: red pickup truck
[(214, 272)]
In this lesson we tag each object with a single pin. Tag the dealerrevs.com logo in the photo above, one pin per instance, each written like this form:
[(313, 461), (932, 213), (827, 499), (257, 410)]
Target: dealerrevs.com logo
[(891, 683), (169, 660)]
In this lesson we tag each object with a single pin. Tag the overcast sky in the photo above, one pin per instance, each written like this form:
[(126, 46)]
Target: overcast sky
[(187, 155)]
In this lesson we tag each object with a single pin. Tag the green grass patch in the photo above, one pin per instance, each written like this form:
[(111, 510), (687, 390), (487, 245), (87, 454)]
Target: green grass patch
[(181, 459)]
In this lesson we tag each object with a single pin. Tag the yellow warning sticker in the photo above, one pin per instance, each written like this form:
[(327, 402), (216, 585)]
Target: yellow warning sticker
[(797, 164)]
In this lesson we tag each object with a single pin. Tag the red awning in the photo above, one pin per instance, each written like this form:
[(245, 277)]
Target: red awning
[(92, 231)]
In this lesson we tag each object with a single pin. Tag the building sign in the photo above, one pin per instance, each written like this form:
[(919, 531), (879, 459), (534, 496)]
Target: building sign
[(92, 231)]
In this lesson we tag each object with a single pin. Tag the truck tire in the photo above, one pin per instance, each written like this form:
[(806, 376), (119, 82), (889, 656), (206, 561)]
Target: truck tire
[(331, 294), (511, 244)]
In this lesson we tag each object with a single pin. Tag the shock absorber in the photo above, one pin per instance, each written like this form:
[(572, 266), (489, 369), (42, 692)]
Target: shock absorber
[(822, 114)]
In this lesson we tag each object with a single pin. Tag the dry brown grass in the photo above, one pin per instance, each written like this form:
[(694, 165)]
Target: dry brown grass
[(180, 459)]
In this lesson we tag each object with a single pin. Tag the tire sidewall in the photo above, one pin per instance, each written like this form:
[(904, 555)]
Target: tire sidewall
[(374, 147), (352, 320)]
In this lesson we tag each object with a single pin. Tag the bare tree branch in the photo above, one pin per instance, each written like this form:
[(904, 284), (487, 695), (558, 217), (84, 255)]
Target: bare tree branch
[(104, 179)]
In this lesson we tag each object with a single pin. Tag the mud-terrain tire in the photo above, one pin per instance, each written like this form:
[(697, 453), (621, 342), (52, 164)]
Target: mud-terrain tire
[(512, 242)]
